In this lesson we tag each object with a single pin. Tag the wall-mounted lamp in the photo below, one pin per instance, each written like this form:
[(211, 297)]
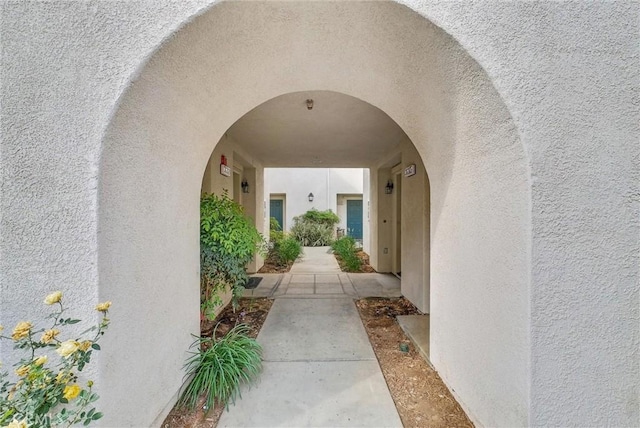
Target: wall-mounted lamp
[(388, 189), (245, 186), (310, 197), (309, 104)]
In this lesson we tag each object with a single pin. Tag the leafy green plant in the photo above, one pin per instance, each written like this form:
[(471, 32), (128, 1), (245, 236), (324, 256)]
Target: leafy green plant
[(346, 250), (220, 366), (283, 249), (228, 241), (327, 217), (288, 250), (275, 232), (314, 228), (47, 392), (274, 224)]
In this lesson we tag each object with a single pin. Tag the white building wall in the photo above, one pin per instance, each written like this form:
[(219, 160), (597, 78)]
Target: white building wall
[(103, 101), (325, 184)]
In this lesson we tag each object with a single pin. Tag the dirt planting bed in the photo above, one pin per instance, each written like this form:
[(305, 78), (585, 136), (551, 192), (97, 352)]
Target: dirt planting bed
[(251, 312), (420, 396)]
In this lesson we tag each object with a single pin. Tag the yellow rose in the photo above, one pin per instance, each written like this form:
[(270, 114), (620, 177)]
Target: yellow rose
[(40, 360), (49, 335), (84, 346), (71, 391), (21, 330), (104, 306), (17, 424), (1, 328), (67, 348), (54, 297), (22, 371)]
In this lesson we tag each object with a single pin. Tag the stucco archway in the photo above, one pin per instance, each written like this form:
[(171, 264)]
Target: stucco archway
[(236, 56)]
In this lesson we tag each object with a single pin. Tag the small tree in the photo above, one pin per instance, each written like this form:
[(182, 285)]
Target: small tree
[(228, 241)]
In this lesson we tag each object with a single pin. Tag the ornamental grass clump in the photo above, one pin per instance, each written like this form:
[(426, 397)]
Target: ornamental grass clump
[(220, 366), (347, 252), (46, 391)]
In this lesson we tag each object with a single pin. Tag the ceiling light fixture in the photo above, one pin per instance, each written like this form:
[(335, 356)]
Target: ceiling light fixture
[(309, 104)]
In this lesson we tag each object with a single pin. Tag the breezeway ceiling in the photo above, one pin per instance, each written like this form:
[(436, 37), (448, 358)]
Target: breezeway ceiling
[(340, 131)]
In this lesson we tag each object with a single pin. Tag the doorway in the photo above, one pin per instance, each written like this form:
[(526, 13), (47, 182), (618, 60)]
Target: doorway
[(396, 223), (276, 210), (354, 219)]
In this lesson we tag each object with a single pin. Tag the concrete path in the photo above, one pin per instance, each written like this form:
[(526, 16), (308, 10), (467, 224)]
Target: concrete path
[(317, 275), (318, 366), (316, 260)]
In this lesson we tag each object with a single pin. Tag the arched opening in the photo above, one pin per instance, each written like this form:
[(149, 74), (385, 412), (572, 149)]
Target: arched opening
[(340, 131), (237, 56)]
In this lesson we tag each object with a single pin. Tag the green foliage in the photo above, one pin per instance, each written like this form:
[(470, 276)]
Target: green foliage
[(275, 232), (346, 250), (228, 241), (314, 228), (219, 366), (274, 225), (47, 392), (322, 217), (284, 249), (288, 250)]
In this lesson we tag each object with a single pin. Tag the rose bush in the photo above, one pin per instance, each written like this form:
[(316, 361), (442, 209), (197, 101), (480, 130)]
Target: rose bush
[(46, 392)]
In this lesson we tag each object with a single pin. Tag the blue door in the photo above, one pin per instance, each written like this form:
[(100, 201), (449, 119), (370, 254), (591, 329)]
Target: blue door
[(354, 219), (276, 210)]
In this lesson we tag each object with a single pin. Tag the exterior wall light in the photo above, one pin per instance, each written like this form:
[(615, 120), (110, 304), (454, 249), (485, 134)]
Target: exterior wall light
[(388, 189), (310, 197), (309, 104), (245, 186)]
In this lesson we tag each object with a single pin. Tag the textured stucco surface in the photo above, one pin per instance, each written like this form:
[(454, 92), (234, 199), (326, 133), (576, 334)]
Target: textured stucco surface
[(85, 144)]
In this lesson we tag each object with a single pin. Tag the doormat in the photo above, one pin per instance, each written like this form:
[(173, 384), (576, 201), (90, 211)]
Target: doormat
[(253, 282)]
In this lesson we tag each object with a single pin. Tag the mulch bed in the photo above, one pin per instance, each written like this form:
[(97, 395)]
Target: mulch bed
[(422, 399), (251, 312), (273, 265)]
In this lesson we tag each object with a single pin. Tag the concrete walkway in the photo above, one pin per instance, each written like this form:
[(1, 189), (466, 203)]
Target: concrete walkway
[(318, 366), (316, 260)]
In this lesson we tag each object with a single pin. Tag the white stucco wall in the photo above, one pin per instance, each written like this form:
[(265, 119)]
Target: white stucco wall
[(83, 149), (325, 184)]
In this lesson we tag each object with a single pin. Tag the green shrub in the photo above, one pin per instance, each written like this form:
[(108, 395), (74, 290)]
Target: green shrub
[(228, 241), (288, 250), (352, 263), (274, 225), (344, 245), (311, 234), (322, 217), (219, 366), (275, 233), (345, 248), (314, 228)]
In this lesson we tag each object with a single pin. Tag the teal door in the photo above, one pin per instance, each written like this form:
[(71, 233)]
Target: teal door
[(354, 219), (276, 209)]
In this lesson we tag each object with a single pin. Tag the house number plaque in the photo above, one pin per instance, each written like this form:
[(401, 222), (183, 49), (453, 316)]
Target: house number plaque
[(410, 170)]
